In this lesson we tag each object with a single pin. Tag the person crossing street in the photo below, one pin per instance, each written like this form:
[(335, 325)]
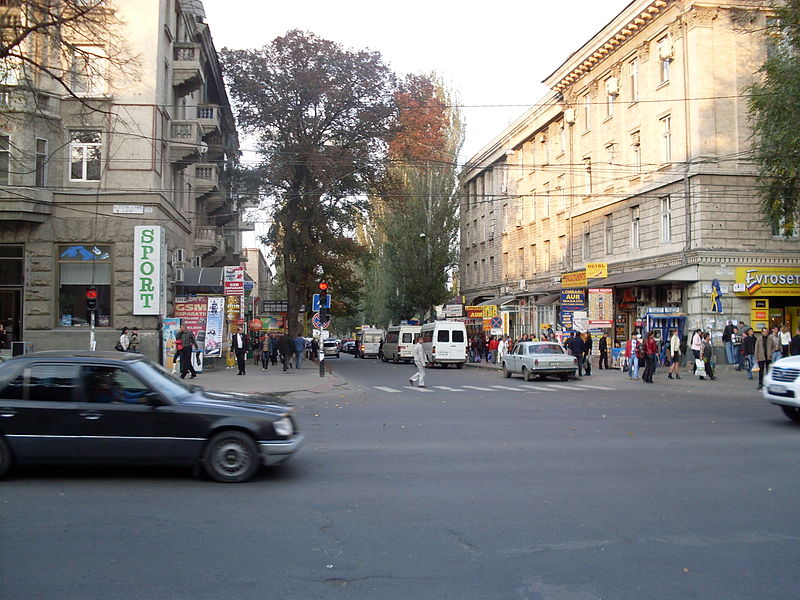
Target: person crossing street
[(418, 353)]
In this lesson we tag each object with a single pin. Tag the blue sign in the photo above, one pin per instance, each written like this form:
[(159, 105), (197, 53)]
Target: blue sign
[(315, 302), (573, 299), (566, 318), (317, 322)]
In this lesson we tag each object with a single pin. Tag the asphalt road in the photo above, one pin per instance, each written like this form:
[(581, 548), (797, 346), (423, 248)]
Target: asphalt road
[(598, 488)]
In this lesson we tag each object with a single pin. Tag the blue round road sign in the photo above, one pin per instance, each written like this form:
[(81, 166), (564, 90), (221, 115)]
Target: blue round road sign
[(317, 322)]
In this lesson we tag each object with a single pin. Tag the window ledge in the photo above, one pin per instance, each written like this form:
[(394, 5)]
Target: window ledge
[(585, 131), (663, 84), (608, 118), (633, 103)]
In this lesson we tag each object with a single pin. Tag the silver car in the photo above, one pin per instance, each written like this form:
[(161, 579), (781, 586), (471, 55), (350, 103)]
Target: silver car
[(539, 358)]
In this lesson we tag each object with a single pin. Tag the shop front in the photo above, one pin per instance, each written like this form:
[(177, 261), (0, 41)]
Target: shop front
[(773, 294)]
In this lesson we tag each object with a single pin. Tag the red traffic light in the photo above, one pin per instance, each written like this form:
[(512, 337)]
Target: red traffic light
[(91, 294), (323, 286)]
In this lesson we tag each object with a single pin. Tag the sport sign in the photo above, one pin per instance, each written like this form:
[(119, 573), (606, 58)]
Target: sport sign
[(149, 270)]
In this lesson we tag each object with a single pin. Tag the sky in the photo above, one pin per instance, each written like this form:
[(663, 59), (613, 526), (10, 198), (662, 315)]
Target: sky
[(493, 57)]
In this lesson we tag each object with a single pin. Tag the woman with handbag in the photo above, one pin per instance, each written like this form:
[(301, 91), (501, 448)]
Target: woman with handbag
[(124, 342), (674, 355)]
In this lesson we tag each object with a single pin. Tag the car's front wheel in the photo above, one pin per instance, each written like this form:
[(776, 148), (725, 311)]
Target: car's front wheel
[(564, 376), (792, 412), (5, 458), (526, 375), (231, 457)]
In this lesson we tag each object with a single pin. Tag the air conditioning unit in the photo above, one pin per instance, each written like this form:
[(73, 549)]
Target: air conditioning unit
[(197, 261), (612, 86), (674, 295), (179, 256), (179, 275), (642, 294), (569, 116), (523, 284)]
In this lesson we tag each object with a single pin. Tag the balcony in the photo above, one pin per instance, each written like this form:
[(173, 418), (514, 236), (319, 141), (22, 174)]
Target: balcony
[(185, 142), (208, 116), (187, 71), (207, 239), (31, 205), (206, 178)]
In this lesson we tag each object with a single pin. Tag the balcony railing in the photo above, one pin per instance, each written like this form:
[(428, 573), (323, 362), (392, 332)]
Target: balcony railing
[(187, 71), (184, 141), (206, 177), (208, 115)]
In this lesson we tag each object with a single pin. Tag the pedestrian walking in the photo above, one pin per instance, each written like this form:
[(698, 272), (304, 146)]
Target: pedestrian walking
[(493, 343), (726, 339), (184, 345), (736, 340), (786, 339), (674, 355), (240, 344), (633, 348), (273, 349), (602, 347), (707, 356), (586, 355), (775, 344), (418, 352), (575, 347), (502, 349), (299, 348), (285, 347), (749, 351), (697, 345), (124, 341), (134, 345), (264, 348), (650, 352)]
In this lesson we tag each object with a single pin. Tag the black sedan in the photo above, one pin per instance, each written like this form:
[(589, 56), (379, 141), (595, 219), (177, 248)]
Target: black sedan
[(113, 408)]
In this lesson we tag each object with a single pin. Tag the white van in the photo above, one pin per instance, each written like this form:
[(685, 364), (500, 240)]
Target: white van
[(368, 343), (398, 343), (445, 342)]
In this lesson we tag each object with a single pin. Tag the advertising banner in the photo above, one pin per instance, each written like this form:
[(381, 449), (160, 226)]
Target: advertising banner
[(474, 312), (169, 330), (768, 281), (566, 319), (149, 270), (233, 281), (576, 279), (233, 308), (192, 312), (573, 299), (214, 326), (596, 270), (601, 305), (453, 310)]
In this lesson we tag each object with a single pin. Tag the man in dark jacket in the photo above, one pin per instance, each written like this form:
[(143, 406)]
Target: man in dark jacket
[(575, 346), (240, 344), (749, 351), (185, 339), (602, 346), (286, 347)]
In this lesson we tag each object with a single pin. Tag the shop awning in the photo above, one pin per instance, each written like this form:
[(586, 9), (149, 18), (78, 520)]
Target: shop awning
[(650, 276), (548, 300), (498, 301), (202, 277)]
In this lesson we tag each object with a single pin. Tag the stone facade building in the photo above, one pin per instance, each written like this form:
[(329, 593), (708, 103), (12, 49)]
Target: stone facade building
[(148, 145), (639, 159)]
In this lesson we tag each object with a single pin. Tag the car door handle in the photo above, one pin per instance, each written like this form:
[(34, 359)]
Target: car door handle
[(8, 412), (91, 415)]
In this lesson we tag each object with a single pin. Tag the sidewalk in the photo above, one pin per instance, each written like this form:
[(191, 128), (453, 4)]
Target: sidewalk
[(727, 376), (272, 381)]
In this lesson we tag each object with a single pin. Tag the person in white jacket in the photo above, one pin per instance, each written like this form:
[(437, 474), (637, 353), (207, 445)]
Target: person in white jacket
[(419, 360)]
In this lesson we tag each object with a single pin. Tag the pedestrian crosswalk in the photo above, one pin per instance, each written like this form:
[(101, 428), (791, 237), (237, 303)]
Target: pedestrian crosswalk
[(537, 388)]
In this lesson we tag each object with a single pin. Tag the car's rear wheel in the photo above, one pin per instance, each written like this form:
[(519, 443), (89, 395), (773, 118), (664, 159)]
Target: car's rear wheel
[(231, 457), (526, 375), (506, 372), (5, 458), (790, 411), (564, 376), (459, 365)]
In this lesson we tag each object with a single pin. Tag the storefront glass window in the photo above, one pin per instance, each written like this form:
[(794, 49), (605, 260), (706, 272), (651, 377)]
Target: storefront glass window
[(81, 267)]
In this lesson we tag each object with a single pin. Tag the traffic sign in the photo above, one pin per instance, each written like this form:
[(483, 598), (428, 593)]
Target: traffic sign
[(317, 322), (496, 322), (315, 302)]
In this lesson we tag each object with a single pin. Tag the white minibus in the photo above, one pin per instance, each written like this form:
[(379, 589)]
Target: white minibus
[(445, 342), (398, 343)]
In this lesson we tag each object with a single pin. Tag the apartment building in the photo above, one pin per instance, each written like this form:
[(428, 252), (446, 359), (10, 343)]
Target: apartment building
[(118, 183), (636, 159)]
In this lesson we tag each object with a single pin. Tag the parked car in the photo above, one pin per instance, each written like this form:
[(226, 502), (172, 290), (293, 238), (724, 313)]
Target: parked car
[(782, 386), (112, 408), (539, 358), (349, 346), (330, 348)]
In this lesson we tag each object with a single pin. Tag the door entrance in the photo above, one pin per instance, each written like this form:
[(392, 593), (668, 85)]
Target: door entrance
[(11, 314)]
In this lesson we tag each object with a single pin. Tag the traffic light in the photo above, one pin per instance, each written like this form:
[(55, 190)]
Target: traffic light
[(91, 298), (324, 302)]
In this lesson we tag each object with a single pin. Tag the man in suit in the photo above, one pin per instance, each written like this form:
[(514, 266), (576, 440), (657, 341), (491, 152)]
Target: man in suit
[(240, 345)]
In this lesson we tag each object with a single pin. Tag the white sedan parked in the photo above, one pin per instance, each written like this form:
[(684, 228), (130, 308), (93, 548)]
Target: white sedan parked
[(539, 358)]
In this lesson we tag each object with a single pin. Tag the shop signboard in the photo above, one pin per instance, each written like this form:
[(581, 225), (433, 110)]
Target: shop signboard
[(580, 320), (576, 279), (489, 311), (566, 319), (149, 270), (215, 324), (596, 270), (233, 309), (275, 306), (474, 312), (233, 281), (601, 305), (767, 281), (453, 310), (193, 312), (574, 299)]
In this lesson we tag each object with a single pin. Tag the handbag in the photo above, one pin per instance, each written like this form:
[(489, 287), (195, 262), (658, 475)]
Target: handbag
[(119, 347)]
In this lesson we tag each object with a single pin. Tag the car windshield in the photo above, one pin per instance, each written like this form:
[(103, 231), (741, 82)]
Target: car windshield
[(372, 338), (546, 349), (161, 379)]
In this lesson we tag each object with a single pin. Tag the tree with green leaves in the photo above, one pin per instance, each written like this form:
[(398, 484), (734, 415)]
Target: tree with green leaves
[(322, 116), (774, 107)]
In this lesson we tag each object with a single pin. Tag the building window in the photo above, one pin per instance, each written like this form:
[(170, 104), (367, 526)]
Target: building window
[(635, 227), (80, 267), (84, 156), (633, 74), (41, 163), (5, 159), (664, 58), (88, 74), (546, 200), (505, 273), (562, 138), (611, 159), (586, 251), (562, 251), (521, 262), (636, 150), (491, 274), (587, 112), (532, 261), (609, 237), (786, 227), (546, 257), (484, 272), (666, 139), (666, 220)]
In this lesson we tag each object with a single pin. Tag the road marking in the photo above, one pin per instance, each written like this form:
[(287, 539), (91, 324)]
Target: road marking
[(419, 389), (447, 389), (386, 389), (594, 387), (505, 387), (475, 387), (559, 386)]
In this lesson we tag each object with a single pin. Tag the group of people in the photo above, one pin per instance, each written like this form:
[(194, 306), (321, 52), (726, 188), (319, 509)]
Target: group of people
[(272, 348), (755, 353), (128, 340)]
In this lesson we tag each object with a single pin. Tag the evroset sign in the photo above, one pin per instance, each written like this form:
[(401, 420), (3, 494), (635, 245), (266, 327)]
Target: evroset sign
[(769, 281), (149, 270)]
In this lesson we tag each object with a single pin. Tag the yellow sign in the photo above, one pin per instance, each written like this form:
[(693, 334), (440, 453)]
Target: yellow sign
[(489, 311), (576, 279), (769, 281), (595, 270)]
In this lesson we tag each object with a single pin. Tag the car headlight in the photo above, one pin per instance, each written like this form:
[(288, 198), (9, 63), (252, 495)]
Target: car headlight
[(283, 426)]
